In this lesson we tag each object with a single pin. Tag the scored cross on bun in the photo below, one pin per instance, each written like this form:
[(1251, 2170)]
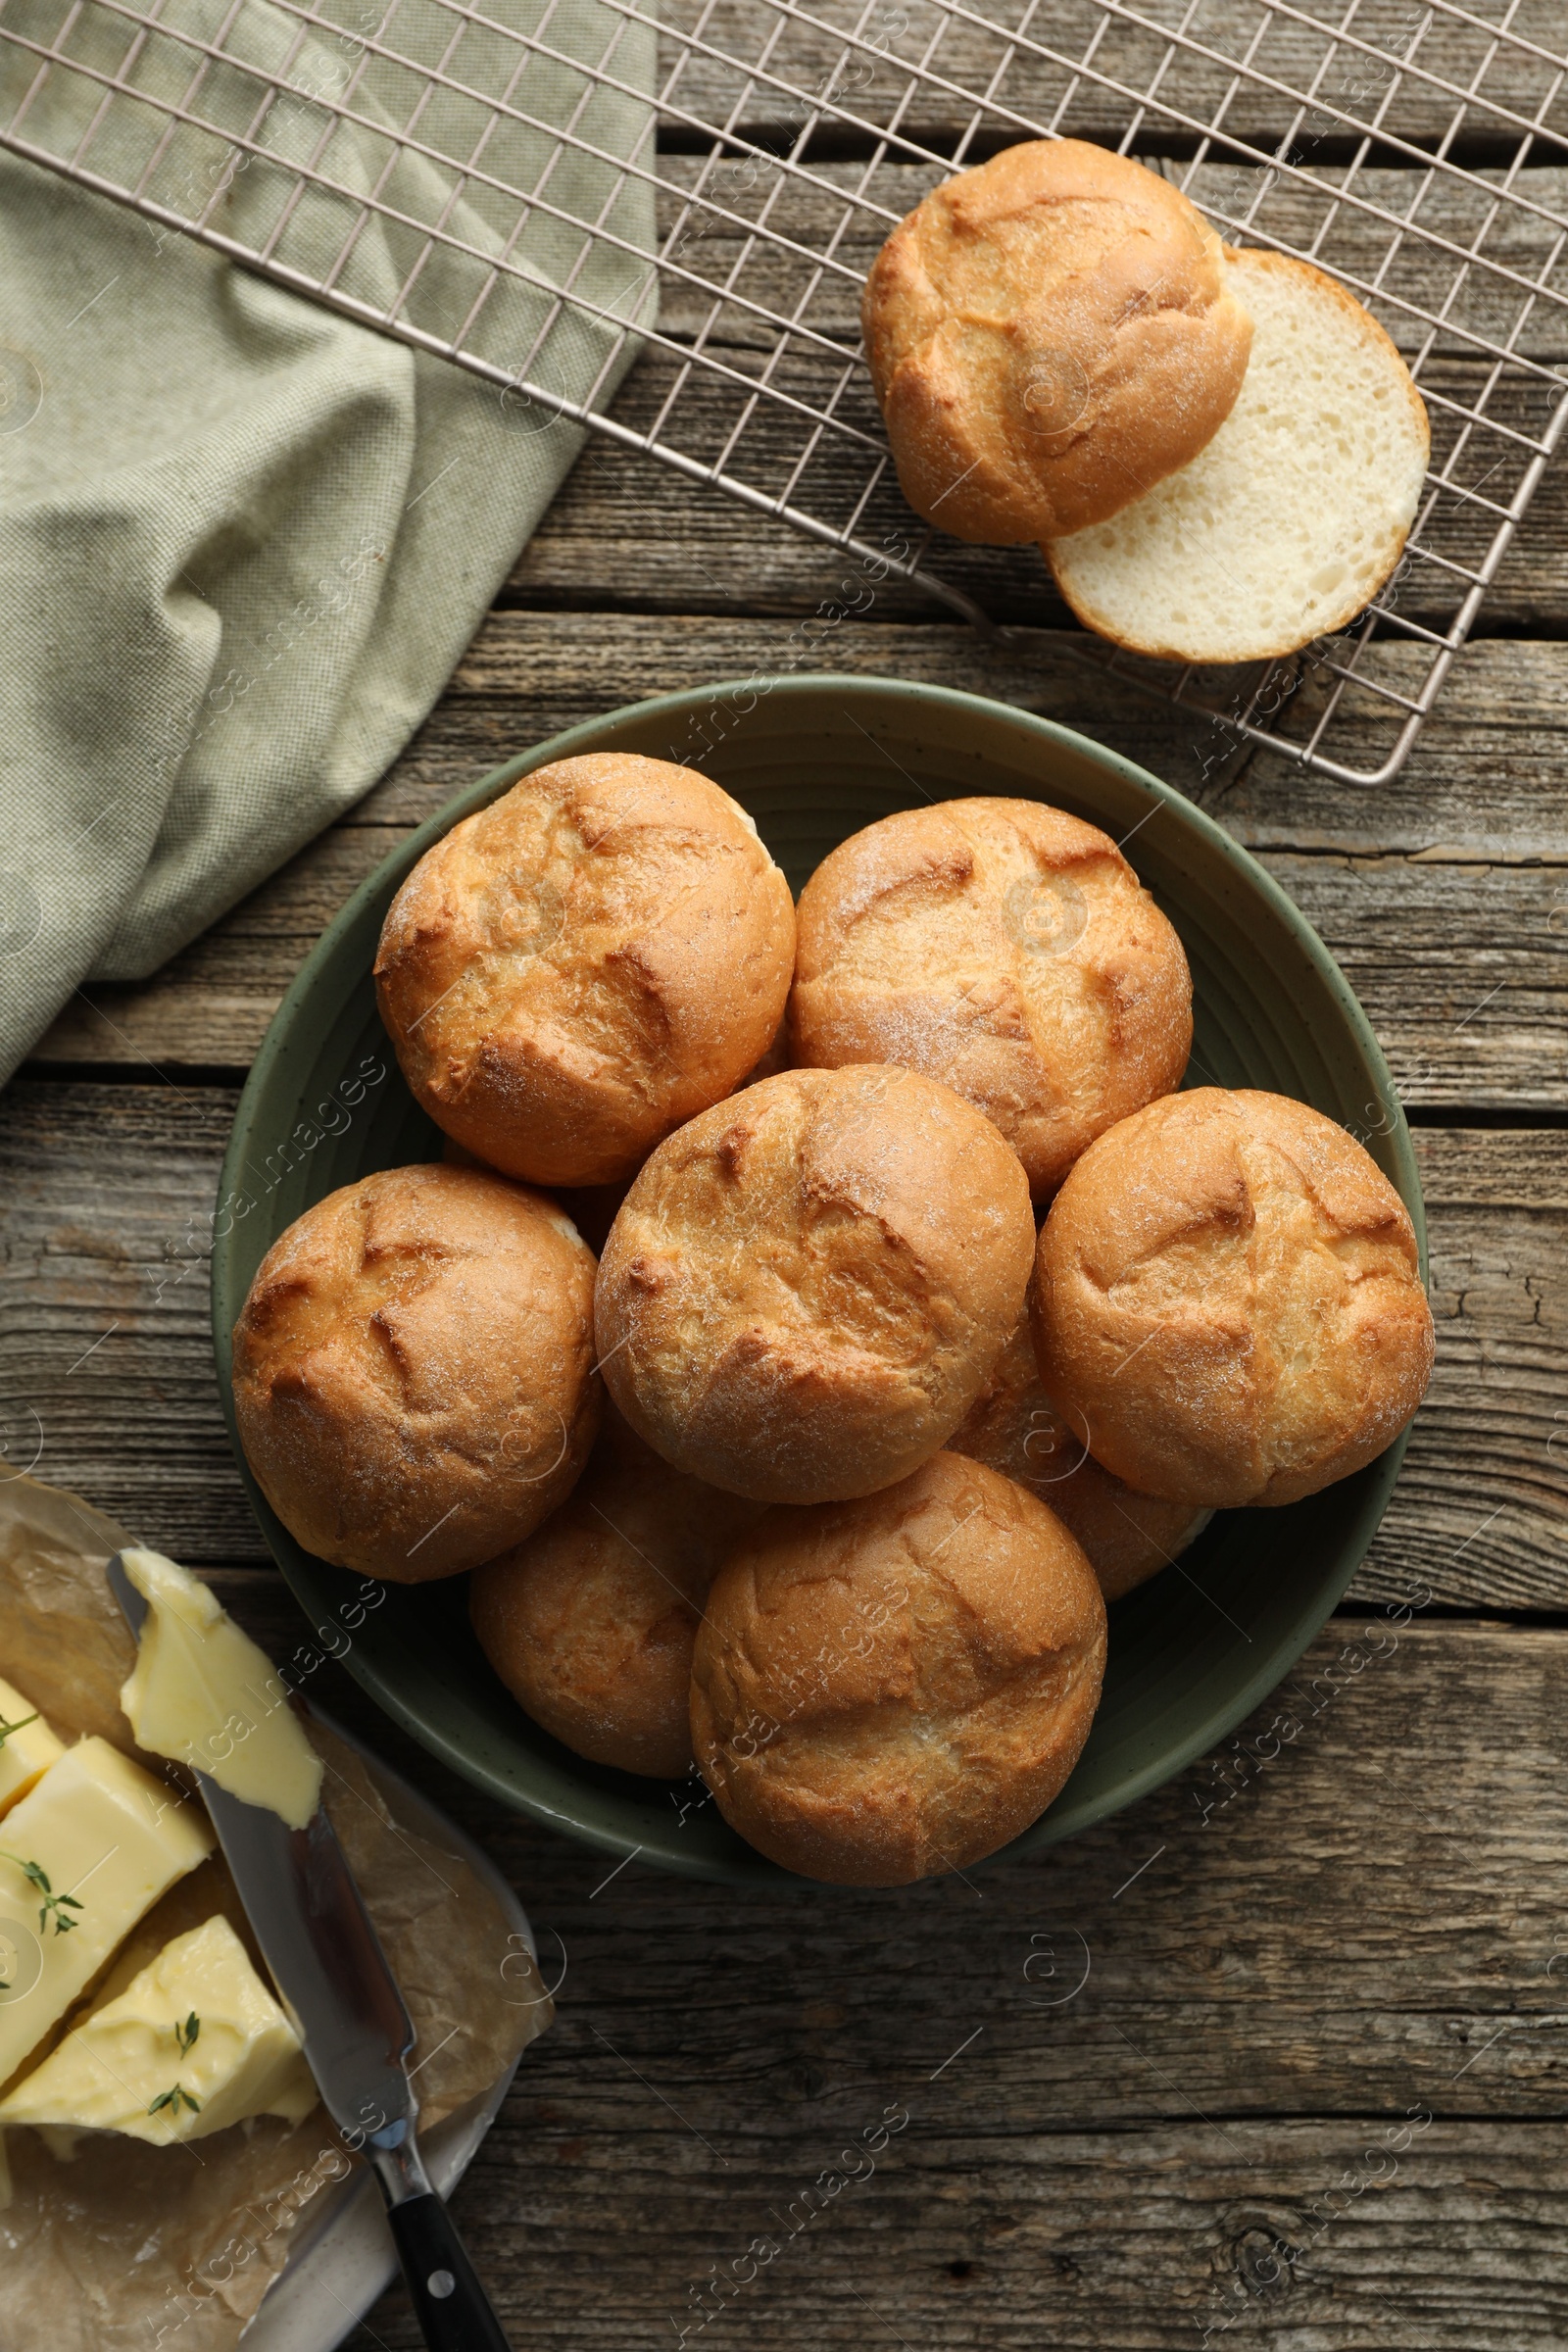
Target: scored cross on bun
[(891, 1688), (1227, 1301), (1049, 335), (578, 967), (806, 1286), (1007, 949), (414, 1380)]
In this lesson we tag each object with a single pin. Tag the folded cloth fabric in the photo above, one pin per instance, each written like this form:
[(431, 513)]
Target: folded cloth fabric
[(243, 540)]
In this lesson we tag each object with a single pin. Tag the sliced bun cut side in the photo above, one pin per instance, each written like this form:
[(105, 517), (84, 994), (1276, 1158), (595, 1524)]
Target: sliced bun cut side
[(1286, 525)]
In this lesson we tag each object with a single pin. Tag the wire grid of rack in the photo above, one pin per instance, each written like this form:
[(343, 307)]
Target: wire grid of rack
[(543, 190)]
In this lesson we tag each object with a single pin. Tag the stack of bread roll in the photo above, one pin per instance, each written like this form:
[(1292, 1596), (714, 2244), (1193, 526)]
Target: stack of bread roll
[(823, 1473), (1220, 449)]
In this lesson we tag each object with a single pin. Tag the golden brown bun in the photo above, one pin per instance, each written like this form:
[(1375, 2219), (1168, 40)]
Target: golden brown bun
[(412, 1370), (1227, 1301), (590, 1622), (580, 966), (1006, 949), (1049, 335), (1013, 1428), (806, 1286), (774, 1058), (893, 1687)]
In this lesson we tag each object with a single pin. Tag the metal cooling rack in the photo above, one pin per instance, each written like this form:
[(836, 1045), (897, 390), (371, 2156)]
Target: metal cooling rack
[(408, 161)]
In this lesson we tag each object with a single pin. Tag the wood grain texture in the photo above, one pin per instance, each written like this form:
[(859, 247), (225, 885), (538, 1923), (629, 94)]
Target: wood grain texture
[(1002, 2239), (1237, 58), (1447, 907), (109, 1382)]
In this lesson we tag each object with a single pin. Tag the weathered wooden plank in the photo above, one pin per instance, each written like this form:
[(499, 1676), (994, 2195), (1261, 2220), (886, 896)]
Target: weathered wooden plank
[(103, 1281), (1501, 719), (1227, 59), (1150, 2240), (1487, 1465), (107, 1376), (1448, 908)]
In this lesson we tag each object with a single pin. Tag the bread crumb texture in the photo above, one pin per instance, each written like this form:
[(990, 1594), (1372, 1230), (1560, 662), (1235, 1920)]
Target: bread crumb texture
[(1297, 512), (574, 971), (893, 1687), (412, 1370), (1227, 1301), (807, 1285), (1006, 949), (1049, 335)]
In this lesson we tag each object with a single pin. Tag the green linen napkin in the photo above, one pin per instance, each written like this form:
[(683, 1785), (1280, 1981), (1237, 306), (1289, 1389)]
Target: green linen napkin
[(243, 541)]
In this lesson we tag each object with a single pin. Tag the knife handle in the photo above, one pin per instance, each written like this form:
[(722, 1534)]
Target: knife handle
[(451, 2306)]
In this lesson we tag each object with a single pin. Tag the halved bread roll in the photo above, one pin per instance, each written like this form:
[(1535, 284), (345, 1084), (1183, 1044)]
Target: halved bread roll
[(1292, 519)]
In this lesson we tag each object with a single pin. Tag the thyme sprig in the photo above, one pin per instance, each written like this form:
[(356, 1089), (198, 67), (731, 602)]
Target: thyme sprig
[(50, 1905), (176, 2095), (21, 1724)]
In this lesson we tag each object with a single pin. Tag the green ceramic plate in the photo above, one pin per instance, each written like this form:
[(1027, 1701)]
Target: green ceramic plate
[(814, 758)]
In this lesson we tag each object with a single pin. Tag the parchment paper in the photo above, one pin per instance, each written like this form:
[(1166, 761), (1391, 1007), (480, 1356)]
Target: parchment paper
[(126, 2245)]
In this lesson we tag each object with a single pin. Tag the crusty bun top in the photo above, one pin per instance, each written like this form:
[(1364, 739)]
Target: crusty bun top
[(1049, 335), (412, 1370), (1227, 1301), (1007, 949), (577, 968), (892, 1688), (806, 1286)]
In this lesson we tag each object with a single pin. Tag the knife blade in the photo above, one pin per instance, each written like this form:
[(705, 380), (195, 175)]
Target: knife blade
[(333, 1979)]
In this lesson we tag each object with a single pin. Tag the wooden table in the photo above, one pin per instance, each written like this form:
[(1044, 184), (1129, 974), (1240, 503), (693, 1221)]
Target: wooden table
[(1277, 2054)]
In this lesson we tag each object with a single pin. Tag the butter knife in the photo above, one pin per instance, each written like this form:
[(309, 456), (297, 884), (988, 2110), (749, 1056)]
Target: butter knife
[(343, 2001)]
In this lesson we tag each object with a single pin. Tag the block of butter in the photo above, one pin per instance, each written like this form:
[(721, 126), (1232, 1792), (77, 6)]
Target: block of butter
[(90, 1848), (27, 1747), (195, 2042), (202, 1694)]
